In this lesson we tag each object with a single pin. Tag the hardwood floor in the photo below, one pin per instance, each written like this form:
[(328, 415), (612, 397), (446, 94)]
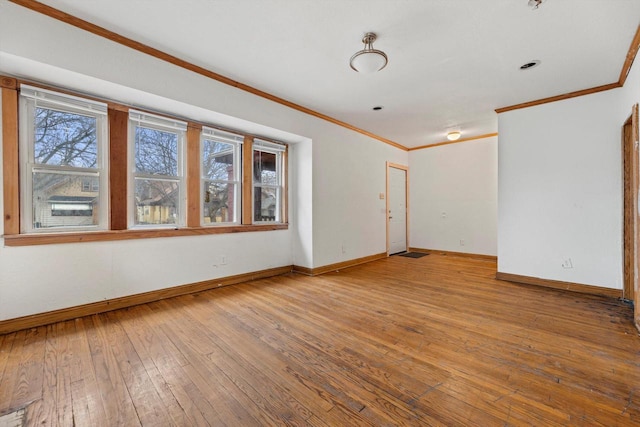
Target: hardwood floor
[(401, 341)]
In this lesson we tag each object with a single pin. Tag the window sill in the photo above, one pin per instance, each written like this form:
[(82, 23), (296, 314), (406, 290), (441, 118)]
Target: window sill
[(105, 236)]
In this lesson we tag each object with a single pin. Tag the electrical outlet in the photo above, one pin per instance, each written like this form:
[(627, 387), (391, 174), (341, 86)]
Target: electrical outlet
[(223, 260), (567, 263), (461, 242), (344, 249), (444, 215)]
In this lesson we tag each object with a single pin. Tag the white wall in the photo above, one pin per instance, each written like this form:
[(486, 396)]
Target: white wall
[(560, 187), (301, 202), (336, 176), (349, 175), (453, 197)]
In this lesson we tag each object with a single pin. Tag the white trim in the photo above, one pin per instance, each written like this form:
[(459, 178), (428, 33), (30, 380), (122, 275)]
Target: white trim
[(31, 99), (162, 124), (151, 119), (235, 141), (268, 146), (277, 150), (222, 136), (63, 170), (50, 98)]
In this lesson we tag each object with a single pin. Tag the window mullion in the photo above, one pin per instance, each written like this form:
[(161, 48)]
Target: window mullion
[(10, 158), (193, 175), (118, 161), (247, 180)]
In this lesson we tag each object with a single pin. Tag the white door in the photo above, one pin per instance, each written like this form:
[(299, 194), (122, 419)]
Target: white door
[(397, 210)]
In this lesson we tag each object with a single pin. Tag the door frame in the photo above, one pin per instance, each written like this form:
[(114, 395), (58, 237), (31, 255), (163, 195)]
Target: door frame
[(631, 212), (406, 189)]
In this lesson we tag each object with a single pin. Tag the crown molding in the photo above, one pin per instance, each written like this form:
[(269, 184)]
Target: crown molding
[(156, 53)]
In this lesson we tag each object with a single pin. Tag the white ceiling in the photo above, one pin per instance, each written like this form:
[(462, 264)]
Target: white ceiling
[(451, 62)]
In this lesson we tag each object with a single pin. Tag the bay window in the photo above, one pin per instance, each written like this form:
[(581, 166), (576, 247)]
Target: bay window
[(76, 169)]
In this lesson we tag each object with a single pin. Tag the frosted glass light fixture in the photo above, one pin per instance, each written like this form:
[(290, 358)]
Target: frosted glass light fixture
[(453, 135), (368, 60)]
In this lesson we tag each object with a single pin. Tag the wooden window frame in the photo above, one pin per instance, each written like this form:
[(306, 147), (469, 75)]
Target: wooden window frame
[(118, 122)]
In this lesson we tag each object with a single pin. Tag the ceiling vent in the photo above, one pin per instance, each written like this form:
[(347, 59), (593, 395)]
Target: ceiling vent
[(529, 65)]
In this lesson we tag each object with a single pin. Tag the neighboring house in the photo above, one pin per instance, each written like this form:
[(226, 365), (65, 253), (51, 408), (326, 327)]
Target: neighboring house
[(157, 204), (65, 201)]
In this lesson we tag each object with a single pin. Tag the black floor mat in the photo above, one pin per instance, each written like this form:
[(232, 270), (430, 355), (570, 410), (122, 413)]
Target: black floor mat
[(414, 254)]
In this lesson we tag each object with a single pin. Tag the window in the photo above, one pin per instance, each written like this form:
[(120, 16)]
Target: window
[(157, 160), (79, 170), (63, 143), (220, 182), (90, 185), (267, 181)]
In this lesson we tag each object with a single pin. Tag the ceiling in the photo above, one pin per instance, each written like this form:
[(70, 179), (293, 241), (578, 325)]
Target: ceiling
[(451, 62)]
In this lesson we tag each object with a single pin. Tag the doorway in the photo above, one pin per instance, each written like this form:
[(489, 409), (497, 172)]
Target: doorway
[(631, 229), (397, 208)]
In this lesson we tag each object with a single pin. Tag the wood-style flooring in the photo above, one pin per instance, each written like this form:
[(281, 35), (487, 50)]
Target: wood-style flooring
[(401, 341)]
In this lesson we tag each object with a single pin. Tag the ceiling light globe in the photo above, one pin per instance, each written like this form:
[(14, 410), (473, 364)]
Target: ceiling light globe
[(368, 61), (452, 136)]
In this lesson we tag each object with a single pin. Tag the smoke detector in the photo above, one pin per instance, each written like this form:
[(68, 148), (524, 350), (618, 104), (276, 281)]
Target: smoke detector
[(534, 4)]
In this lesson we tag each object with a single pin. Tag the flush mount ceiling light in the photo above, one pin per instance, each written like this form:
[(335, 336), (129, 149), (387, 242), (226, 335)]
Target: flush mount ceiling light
[(453, 135), (368, 60)]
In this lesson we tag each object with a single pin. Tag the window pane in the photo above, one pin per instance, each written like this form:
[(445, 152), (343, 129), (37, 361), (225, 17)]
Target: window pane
[(265, 168), (59, 201), (156, 152), (265, 204), (219, 202), (156, 201), (65, 139), (217, 160), (90, 185)]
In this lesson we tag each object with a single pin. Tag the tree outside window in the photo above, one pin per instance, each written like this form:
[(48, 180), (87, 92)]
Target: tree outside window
[(157, 178), (220, 177), (63, 139)]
